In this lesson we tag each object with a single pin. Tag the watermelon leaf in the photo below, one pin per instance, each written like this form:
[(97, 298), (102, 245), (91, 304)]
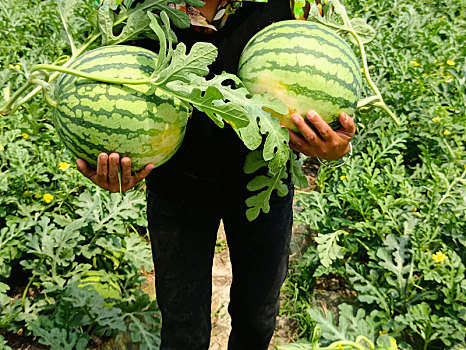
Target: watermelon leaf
[(137, 23), (182, 65), (349, 325), (328, 248), (297, 175), (143, 316), (178, 18), (260, 201), (209, 100), (365, 31), (66, 9)]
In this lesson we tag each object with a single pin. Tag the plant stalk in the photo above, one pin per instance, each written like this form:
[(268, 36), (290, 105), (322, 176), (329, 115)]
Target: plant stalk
[(97, 77)]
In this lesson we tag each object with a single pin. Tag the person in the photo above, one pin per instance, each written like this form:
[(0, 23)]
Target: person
[(204, 183)]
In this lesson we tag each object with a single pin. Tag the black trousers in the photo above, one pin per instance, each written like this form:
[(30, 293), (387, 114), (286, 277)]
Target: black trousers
[(183, 234)]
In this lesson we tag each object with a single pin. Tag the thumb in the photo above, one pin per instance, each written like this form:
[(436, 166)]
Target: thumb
[(348, 124), (84, 168), (144, 172)]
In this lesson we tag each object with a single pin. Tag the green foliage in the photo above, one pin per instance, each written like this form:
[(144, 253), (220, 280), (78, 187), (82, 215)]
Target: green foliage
[(54, 224), (391, 222)]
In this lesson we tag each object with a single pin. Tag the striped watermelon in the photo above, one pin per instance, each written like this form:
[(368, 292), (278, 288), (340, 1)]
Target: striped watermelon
[(138, 121), (307, 66)]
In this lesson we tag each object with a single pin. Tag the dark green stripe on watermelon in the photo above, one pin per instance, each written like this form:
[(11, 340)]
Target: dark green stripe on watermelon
[(297, 37), (307, 66), (141, 121), (300, 50), (311, 70), (308, 29)]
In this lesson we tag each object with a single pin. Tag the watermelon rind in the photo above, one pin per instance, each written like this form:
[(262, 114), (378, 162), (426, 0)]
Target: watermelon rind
[(306, 65), (138, 121)]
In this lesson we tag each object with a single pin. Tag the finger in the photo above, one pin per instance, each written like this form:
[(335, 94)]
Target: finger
[(306, 131), (102, 169), (125, 172), (141, 175), (113, 160), (84, 168), (324, 130), (348, 124), (299, 144)]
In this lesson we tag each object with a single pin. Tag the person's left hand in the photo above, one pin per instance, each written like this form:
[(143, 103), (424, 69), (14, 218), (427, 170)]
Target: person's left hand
[(327, 143)]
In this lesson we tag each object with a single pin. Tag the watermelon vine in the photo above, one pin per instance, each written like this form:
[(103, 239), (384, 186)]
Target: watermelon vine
[(182, 75)]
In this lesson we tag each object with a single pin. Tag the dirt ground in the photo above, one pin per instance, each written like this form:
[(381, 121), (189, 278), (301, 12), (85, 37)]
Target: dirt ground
[(221, 280)]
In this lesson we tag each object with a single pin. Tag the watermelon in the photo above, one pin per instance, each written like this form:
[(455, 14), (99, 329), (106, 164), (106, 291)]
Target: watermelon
[(138, 121), (306, 65), (102, 283)]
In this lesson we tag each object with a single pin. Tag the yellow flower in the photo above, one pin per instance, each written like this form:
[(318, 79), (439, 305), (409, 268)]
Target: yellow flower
[(2, 148), (436, 119), (26, 193), (425, 74), (447, 132), (63, 166), (343, 177), (383, 331), (47, 198), (451, 62), (24, 135), (415, 63), (16, 66), (340, 346), (439, 257), (37, 195)]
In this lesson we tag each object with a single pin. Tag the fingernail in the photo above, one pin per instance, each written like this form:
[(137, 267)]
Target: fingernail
[(346, 118), (295, 118)]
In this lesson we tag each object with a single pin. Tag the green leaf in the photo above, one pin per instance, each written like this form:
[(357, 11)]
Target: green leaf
[(350, 326), (61, 339), (395, 258), (183, 66), (254, 161), (136, 23), (328, 248), (260, 201), (66, 10), (368, 287), (365, 31), (178, 18), (138, 252), (195, 3), (144, 321), (297, 176), (208, 97)]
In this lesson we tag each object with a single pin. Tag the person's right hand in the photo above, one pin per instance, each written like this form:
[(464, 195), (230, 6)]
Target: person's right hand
[(106, 175)]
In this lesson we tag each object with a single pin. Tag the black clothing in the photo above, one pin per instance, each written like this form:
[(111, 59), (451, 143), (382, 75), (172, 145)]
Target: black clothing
[(189, 195), (208, 153), (183, 236)]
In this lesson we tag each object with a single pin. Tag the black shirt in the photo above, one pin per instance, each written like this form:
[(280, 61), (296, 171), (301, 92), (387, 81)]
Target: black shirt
[(211, 158)]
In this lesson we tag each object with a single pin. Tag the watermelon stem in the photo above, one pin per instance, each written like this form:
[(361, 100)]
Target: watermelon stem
[(45, 89), (377, 100), (25, 292), (10, 106), (102, 78)]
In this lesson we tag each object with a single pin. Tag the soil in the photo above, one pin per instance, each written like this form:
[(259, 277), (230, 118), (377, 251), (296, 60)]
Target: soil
[(221, 281)]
